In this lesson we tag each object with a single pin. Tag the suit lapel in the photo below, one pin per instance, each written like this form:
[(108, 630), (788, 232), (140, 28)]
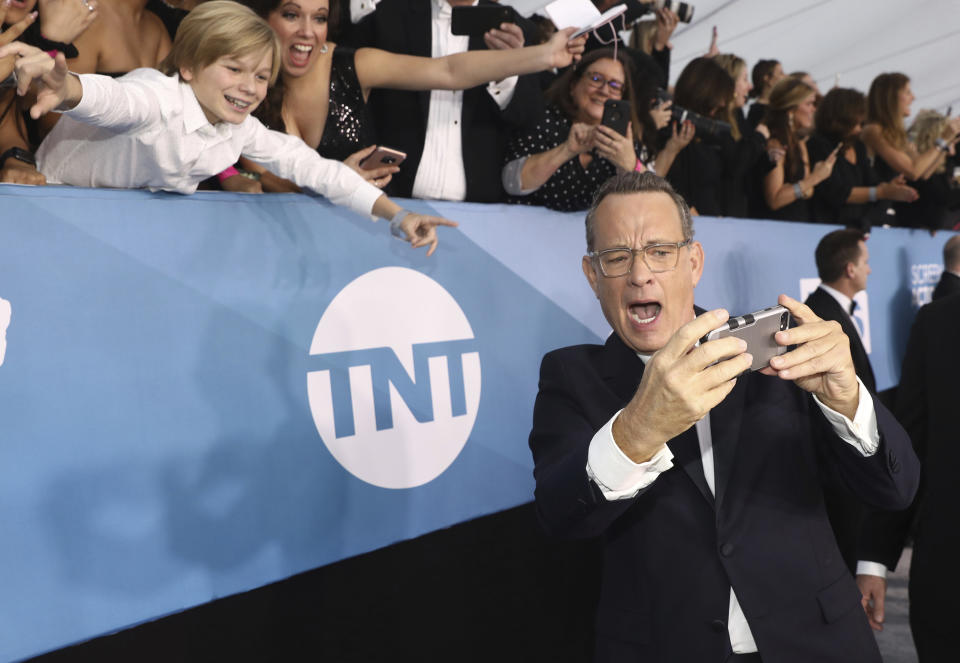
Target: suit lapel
[(725, 421)]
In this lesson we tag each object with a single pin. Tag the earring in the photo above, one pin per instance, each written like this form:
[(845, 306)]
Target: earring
[(323, 49)]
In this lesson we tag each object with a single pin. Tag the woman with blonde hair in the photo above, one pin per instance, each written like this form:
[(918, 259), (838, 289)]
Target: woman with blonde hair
[(888, 103), (939, 203), (790, 183), (742, 196)]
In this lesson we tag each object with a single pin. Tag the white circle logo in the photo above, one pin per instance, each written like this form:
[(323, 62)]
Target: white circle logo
[(395, 382)]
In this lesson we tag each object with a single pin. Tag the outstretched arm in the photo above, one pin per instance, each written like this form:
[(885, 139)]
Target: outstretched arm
[(460, 71)]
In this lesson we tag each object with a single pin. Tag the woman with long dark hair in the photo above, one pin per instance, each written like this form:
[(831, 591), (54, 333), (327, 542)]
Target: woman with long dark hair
[(852, 193), (888, 103), (565, 158)]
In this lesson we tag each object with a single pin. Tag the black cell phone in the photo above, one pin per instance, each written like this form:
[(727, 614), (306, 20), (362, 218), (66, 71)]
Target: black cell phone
[(757, 329), (616, 115), (475, 21)]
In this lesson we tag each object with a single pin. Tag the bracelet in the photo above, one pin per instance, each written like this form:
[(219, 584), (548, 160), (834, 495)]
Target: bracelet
[(395, 228), (19, 154), (639, 168), (798, 191), (942, 145), (229, 172), (873, 194)]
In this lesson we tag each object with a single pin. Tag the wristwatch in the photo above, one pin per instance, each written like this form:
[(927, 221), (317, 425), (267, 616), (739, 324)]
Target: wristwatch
[(19, 154)]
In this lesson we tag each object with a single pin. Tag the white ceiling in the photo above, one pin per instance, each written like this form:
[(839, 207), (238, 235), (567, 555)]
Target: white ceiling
[(855, 39)]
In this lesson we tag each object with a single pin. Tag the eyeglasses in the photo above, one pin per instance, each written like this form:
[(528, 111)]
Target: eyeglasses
[(599, 80), (657, 258)]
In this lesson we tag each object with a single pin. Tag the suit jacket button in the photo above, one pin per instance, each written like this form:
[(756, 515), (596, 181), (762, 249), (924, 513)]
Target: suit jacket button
[(726, 549), (718, 625)]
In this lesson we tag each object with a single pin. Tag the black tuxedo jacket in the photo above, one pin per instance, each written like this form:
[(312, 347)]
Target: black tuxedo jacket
[(949, 284), (404, 26), (824, 305), (672, 553), (927, 401), (845, 510)]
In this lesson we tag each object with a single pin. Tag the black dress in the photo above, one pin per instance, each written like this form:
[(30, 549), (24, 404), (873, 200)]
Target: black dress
[(711, 172), (830, 197), (755, 115), (801, 209), (348, 127), (572, 186), (741, 197)]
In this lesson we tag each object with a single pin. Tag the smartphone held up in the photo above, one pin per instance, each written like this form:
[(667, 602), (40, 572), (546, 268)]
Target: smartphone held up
[(757, 329)]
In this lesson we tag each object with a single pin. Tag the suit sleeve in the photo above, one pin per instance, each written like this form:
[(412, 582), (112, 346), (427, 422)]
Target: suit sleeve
[(885, 533), (568, 503)]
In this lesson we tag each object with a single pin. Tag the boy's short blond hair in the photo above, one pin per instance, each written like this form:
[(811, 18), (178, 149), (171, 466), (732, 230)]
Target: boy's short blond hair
[(217, 29)]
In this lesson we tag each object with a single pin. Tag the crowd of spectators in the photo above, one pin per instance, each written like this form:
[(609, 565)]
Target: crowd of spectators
[(488, 118)]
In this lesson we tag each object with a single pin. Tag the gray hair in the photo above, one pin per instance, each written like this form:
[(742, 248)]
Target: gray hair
[(634, 182)]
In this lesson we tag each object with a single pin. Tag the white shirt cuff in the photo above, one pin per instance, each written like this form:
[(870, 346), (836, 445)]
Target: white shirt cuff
[(617, 476), (502, 91), (871, 569), (861, 433)]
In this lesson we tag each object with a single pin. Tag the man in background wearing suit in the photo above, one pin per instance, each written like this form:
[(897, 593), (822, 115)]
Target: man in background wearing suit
[(455, 141), (843, 264), (703, 481), (927, 407), (949, 283)]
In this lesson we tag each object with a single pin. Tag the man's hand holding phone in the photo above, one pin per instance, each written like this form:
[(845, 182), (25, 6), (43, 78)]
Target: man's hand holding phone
[(682, 382), (821, 363)]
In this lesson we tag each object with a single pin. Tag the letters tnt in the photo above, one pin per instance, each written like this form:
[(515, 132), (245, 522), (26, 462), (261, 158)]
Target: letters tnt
[(386, 369)]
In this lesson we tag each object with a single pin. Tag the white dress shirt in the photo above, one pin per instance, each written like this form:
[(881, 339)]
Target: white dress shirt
[(440, 174), (844, 302), (147, 130), (620, 478)]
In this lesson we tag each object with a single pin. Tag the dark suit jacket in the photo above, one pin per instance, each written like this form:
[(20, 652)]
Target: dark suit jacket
[(824, 305), (927, 401), (672, 553), (949, 284), (403, 26), (845, 510)]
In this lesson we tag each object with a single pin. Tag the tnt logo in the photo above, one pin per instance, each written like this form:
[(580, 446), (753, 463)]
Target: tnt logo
[(394, 385), (5, 310), (861, 314)]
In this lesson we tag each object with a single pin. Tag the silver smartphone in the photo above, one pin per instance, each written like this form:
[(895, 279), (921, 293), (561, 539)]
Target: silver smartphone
[(757, 329)]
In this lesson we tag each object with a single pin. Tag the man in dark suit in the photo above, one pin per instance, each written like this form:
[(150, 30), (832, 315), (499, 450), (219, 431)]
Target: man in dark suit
[(843, 264), (466, 163), (706, 486), (949, 283), (926, 405)]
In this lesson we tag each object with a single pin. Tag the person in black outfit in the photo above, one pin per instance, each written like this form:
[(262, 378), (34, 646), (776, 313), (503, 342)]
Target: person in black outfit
[(790, 181), (939, 205), (926, 406), (698, 170), (949, 283), (853, 193), (766, 74), (742, 196), (401, 116), (843, 265), (565, 158)]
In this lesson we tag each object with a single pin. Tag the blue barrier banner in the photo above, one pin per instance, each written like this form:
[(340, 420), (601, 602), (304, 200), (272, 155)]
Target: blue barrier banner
[(202, 395)]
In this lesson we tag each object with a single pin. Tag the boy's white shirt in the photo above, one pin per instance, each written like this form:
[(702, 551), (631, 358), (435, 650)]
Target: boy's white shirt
[(147, 130)]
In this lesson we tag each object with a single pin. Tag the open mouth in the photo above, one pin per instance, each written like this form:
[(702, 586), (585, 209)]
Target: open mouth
[(300, 54), (644, 313), (238, 104)]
